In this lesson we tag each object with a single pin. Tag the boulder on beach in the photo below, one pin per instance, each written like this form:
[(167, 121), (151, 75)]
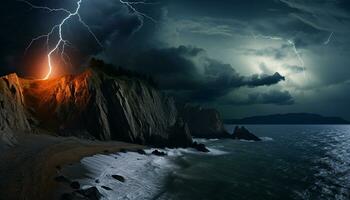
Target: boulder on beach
[(241, 133), (91, 193), (119, 178), (106, 188)]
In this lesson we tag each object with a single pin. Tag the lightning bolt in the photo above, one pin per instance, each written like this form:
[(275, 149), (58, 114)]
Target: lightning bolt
[(62, 43), (130, 5), (290, 43), (141, 15), (328, 39)]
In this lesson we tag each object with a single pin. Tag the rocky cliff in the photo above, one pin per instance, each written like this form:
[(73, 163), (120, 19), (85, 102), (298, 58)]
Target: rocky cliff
[(13, 115), (203, 123), (12, 108), (97, 105), (91, 105)]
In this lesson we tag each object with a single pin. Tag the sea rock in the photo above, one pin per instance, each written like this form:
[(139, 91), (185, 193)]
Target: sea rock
[(203, 123), (241, 133), (158, 153), (119, 178), (200, 147), (141, 151)]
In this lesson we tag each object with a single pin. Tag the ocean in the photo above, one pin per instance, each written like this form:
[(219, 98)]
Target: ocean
[(292, 162)]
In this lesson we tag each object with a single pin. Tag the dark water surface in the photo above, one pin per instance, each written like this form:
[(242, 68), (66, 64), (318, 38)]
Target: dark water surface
[(293, 162)]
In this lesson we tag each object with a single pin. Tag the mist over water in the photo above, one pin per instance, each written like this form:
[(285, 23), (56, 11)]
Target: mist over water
[(292, 162)]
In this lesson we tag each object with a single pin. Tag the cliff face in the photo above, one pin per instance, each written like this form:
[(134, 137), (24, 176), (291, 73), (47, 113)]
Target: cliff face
[(203, 123), (144, 114), (12, 110), (94, 105)]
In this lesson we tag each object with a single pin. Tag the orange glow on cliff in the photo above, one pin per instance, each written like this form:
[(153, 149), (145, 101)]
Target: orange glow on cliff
[(57, 95)]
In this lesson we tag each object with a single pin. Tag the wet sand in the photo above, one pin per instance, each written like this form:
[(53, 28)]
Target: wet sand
[(27, 170)]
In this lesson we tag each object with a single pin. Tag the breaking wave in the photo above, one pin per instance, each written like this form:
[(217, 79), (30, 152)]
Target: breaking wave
[(145, 175)]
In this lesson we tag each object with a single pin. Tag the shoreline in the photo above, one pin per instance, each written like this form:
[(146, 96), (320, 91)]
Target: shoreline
[(36, 160)]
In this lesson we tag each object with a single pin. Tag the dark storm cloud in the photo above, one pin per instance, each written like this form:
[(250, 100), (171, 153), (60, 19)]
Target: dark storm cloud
[(322, 15), (226, 20), (242, 10), (259, 80), (223, 29), (276, 53), (271, 97), (172, 67), (108, 20), (188, 72), (211, 26)]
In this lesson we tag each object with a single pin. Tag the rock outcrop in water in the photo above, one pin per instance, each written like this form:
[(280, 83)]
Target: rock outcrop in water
[(203, 123), (241, 133), (92, 105)]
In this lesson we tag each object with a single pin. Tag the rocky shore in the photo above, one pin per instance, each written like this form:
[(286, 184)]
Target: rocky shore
[(46, 124), (99, 106)]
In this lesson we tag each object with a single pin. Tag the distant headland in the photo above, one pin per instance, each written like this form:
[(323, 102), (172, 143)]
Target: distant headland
[(288, 118)]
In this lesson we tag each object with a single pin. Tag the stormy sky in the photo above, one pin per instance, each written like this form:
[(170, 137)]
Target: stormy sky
[(243, 57)]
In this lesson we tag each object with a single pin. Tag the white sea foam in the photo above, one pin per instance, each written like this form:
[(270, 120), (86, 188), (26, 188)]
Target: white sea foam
[(242, 140), (216, 152), (181, 151), (144, 174), (266, 139)]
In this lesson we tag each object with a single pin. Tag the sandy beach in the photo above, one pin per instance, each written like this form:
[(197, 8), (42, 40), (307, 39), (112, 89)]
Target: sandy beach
[(28, 169)]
